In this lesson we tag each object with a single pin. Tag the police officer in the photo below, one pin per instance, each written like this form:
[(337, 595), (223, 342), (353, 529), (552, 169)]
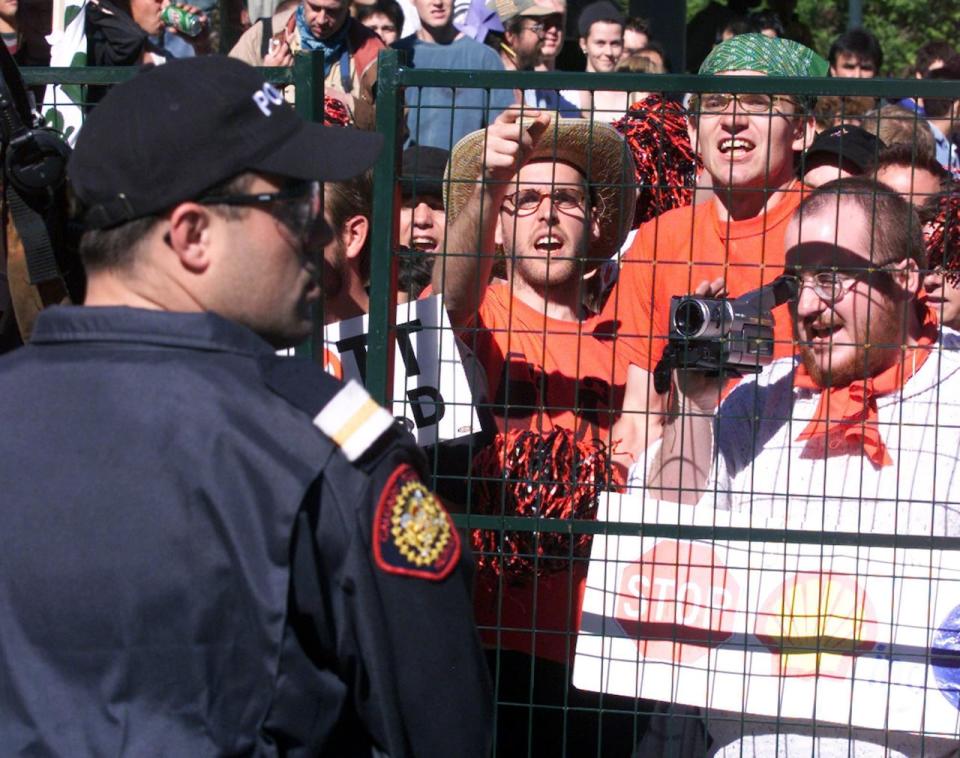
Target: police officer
[(207, 549)]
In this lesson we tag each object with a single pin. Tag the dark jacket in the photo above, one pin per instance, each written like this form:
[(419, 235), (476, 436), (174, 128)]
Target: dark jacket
[(190, 567)]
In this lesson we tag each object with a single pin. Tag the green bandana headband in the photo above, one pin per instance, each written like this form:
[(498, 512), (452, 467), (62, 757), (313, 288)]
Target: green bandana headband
[(773, 56)]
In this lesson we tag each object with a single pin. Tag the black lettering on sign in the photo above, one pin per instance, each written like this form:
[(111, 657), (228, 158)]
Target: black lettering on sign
[(427, 406), (358, 346), (405, 346)]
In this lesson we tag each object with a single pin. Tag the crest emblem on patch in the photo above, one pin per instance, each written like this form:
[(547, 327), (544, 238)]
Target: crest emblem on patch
[(413, 534)]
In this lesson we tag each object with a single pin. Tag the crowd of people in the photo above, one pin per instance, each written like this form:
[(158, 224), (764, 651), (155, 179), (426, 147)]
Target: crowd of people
[(558, 226)]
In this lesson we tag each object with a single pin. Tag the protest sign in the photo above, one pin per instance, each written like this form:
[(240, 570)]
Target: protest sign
[(431, 394), (847, 634)]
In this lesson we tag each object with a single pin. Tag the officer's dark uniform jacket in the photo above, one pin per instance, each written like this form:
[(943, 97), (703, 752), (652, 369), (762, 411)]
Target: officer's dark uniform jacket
[(187, 563)]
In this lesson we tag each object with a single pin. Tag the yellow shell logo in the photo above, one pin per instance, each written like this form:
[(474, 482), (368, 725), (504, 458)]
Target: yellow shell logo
[(815, 624), (419, 525)]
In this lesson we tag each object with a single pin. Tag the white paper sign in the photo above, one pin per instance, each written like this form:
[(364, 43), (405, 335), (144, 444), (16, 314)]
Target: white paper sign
[(431, 394), (863, 636)]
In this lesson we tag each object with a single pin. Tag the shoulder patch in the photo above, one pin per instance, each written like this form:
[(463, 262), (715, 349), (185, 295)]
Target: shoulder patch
[(413, 535), (353, 420)]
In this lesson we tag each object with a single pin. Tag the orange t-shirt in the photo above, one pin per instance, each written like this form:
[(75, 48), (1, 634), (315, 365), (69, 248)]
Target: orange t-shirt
[(542, 373), (674, 252)]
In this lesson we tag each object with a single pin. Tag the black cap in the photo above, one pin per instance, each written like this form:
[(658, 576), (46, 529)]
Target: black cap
[(176, 130), (602, 10), (849, 143), (422, 171)]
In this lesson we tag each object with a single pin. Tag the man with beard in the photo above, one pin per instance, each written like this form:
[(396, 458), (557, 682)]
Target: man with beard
[(551, 197), (746, 144), (523, 32), (349, 50), (856, 434)]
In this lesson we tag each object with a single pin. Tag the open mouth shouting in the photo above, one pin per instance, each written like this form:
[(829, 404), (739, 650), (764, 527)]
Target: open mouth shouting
[(735, 147)]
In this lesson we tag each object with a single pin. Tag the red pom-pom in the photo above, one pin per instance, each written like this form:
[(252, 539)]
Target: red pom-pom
[(525, 473), (335, 113), (943, 236), (666, 163)]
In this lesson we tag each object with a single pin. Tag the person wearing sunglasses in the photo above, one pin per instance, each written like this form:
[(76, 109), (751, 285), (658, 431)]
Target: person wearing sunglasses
[(855, 434), (746, 143), (209, 548)]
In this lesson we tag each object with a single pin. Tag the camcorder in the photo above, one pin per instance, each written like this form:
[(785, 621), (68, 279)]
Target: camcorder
[(39, 239), (718, 334)]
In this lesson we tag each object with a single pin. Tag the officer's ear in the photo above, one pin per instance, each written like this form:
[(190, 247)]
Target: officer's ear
[(189, 235)]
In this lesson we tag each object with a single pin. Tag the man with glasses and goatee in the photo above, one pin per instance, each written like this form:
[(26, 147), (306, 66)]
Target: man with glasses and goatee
[(856, 434), (747, 145)]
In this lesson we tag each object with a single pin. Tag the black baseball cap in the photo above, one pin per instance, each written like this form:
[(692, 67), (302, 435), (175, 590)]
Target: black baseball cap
[(422, 171), (176, 130), (845, 142)]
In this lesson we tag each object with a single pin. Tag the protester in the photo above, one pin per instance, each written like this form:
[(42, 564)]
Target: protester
[(894, 125), (747, 146), (213, 570), (636, 35), (554, 391), (422, 216), (601, 27), (943, 115), (523, 33), (601, 40), (767, 23), (655, 53), (916, 177), (856, 54), (131, 32), (385, 17), (803, 438), (553, 36), (837, 153), (849, 110), (349, 50), (346, 257), (930, 57), (440, 116)]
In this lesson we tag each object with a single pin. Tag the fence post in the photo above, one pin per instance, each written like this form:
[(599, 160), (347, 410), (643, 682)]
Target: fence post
[(386, 207), (308, 87)]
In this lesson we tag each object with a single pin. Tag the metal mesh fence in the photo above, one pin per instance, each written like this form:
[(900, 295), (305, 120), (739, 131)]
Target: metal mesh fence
[(656, 576)]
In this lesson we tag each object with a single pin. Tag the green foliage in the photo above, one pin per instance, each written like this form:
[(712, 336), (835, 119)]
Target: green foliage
[(902, 26)]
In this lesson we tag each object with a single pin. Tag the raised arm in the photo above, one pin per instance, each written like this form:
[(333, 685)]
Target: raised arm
[(680, 470), (462, 274)]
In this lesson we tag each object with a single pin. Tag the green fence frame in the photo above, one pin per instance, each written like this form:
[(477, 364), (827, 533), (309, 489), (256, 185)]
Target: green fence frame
[(394, 76), (307, 76)]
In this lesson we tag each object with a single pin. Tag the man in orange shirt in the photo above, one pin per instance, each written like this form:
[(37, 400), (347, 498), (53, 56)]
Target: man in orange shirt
[(747, 144), (555, 197)]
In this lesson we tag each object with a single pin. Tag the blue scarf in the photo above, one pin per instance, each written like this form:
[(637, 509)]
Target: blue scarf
[(333, 48)]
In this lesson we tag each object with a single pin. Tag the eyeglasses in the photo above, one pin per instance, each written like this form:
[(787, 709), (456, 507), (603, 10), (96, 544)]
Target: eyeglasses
[(526, 201), (718, 102), (536, 27), (829, 286), (296, 206)]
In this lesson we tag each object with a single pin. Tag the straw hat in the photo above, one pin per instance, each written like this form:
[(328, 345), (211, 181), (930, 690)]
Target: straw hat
[(597, 150)]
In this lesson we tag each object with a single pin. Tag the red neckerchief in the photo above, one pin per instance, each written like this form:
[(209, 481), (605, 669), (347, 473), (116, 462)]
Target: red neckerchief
[(854, 407)]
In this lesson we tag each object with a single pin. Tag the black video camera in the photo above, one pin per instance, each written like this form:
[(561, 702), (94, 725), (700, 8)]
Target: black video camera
[(733, 335)]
